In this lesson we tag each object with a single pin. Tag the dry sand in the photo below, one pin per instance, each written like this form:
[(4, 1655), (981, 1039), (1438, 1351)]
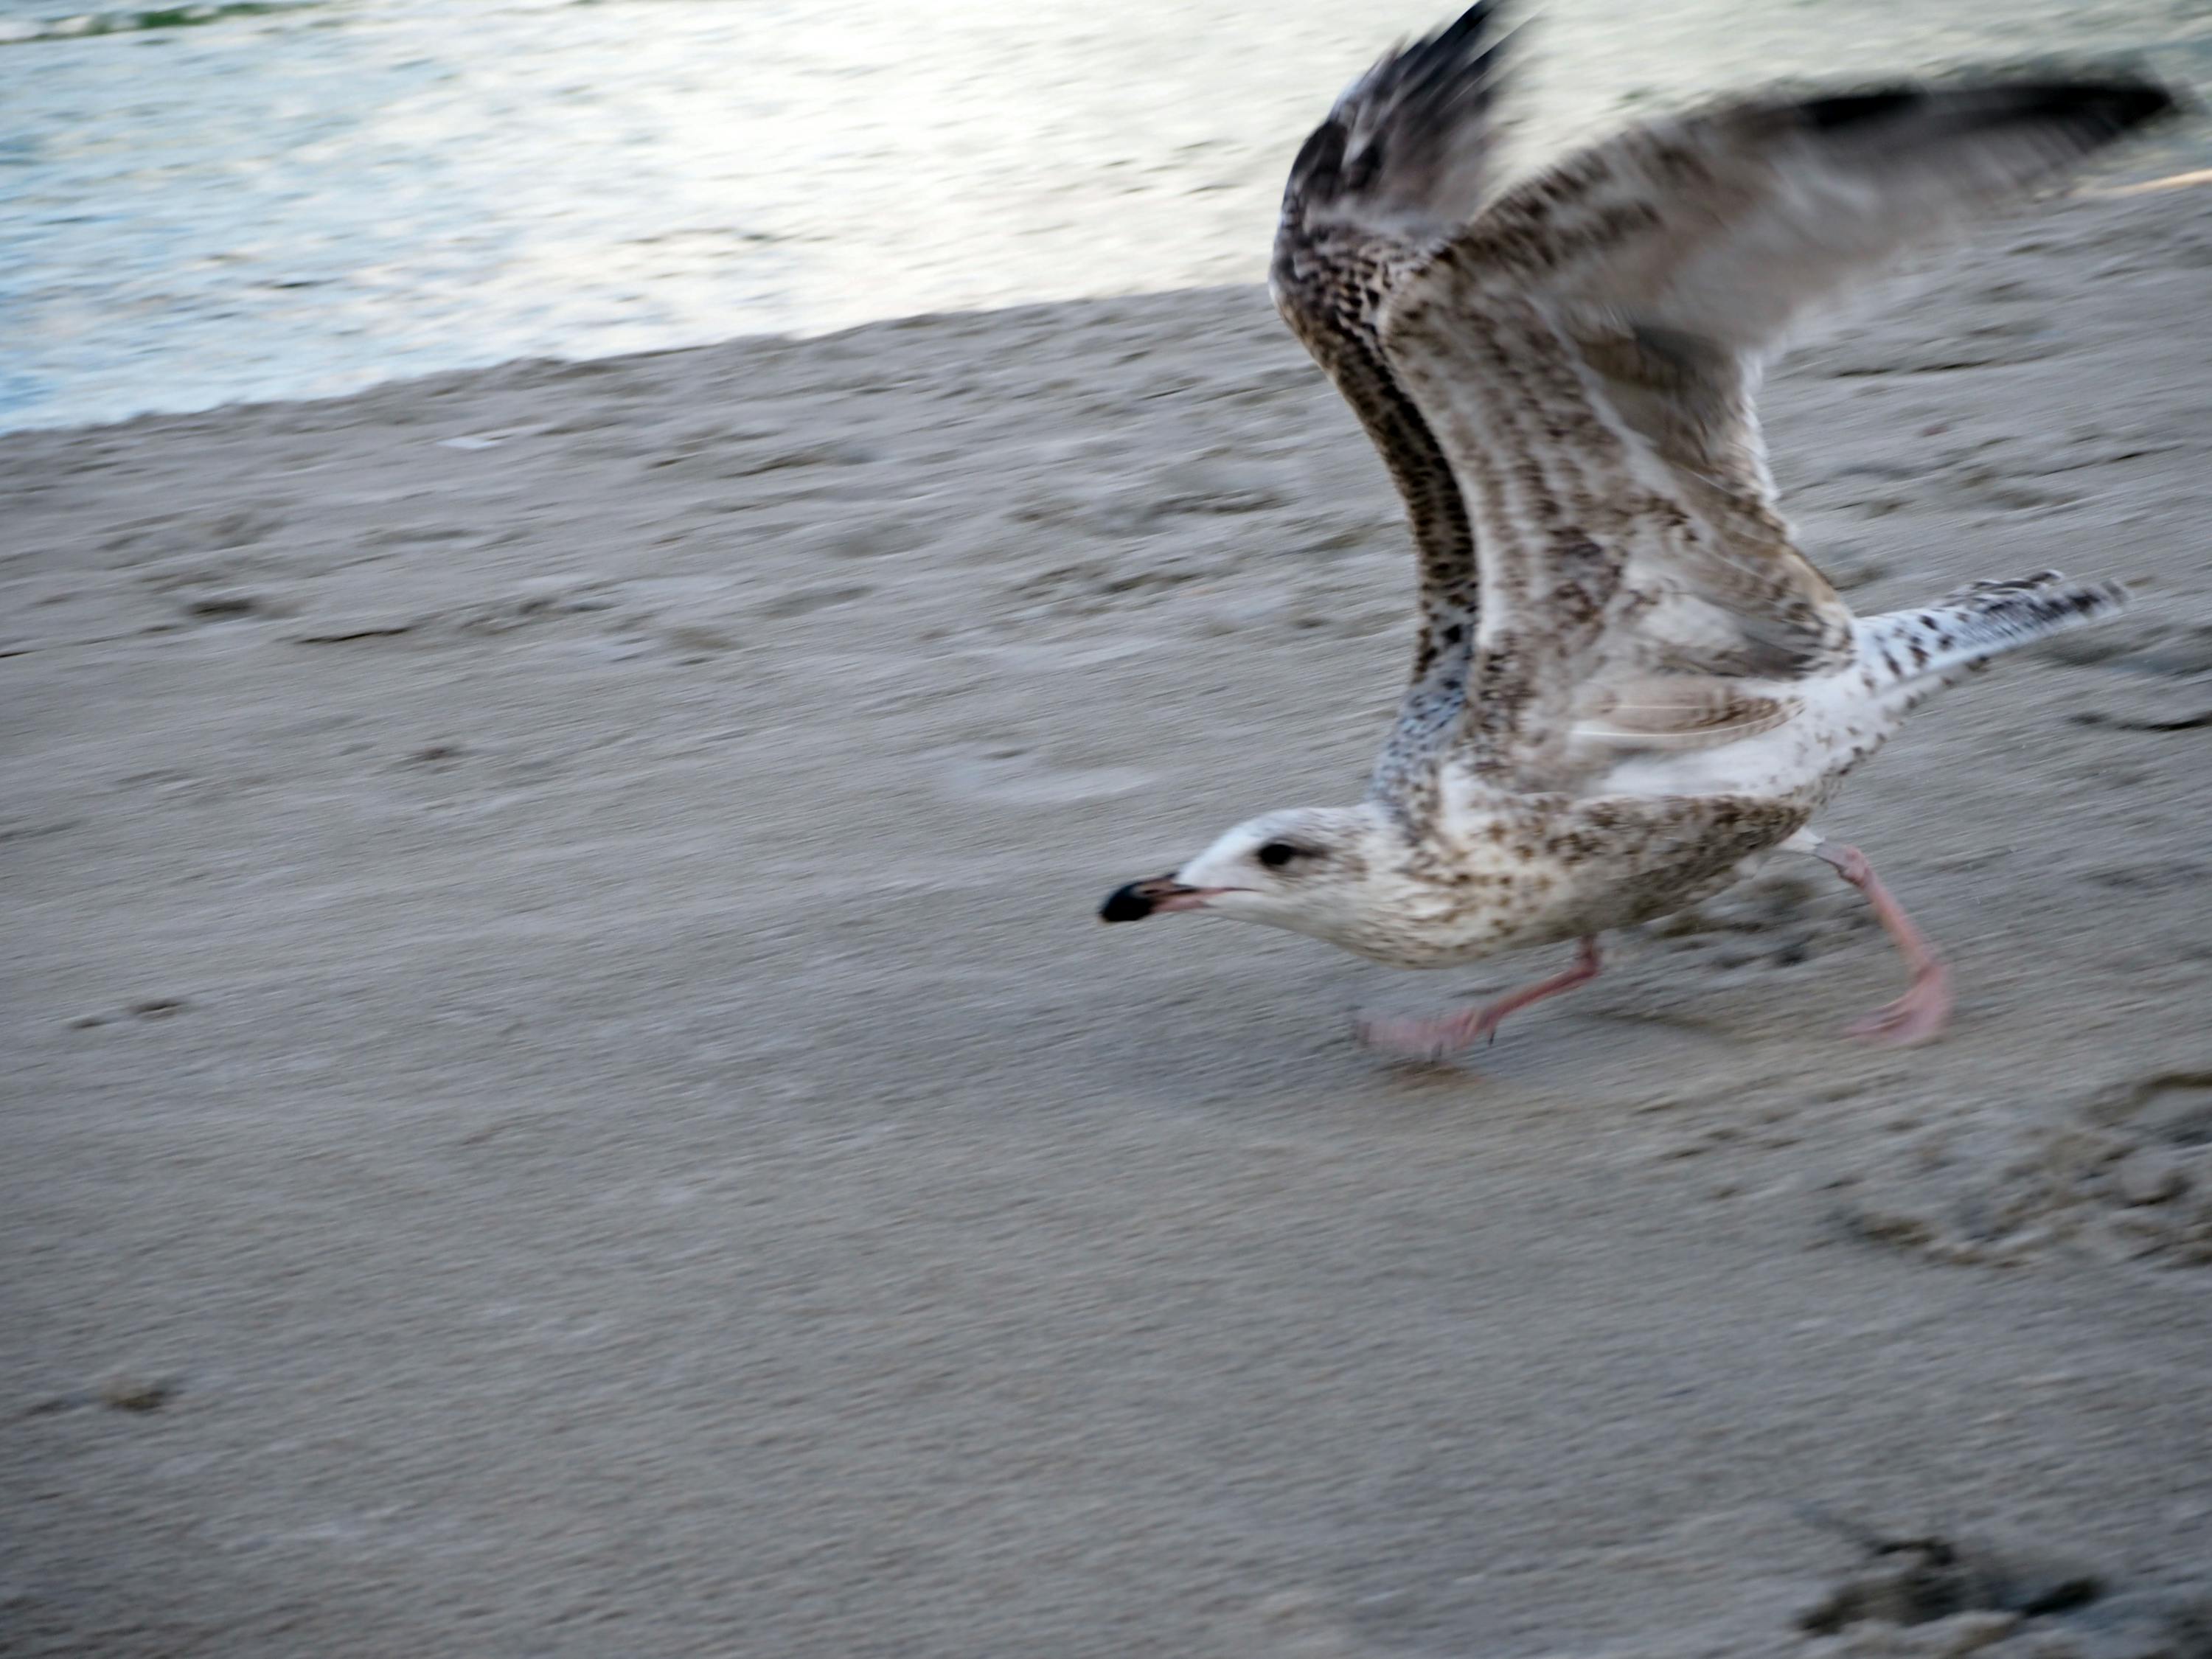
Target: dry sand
[(564, 1095)]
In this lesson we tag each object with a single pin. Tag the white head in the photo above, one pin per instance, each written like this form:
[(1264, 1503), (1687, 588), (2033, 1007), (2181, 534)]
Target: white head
[(1337, 873)]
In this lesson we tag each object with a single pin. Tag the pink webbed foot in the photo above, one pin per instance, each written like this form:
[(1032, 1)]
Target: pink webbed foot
[(1918, 1016), (1921, 1014), (1440, 1036), (1428, 1040)]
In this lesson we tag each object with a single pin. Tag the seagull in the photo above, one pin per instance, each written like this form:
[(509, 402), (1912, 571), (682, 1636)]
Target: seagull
[(1630, 686)]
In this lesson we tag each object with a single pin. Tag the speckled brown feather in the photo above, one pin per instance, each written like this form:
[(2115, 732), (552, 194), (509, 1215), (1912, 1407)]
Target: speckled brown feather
[(1586, 353), (1399, 167)]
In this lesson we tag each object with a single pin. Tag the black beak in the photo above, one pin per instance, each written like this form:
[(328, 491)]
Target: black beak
[(1139, 898)]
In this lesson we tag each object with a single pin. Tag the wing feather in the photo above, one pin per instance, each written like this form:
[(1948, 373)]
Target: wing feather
[(1588, 352), (1399, 166)]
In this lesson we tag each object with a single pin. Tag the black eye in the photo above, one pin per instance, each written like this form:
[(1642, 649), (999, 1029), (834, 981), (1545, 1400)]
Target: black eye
[(1277, 853)]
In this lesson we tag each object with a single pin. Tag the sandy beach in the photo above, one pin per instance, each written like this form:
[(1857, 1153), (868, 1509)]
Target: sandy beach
[(565, 1095)]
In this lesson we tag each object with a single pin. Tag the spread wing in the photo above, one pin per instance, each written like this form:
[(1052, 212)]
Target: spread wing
[(1397, 169), (1586, 354)]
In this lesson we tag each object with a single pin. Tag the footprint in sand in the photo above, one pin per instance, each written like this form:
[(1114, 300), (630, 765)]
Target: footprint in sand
[(1932, 1598), (2127, 1177)]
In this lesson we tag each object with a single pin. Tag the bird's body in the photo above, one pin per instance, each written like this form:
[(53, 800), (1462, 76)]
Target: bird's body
[(1491, 871), (1629, 686)]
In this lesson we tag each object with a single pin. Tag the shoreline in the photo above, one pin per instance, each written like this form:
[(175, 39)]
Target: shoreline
[(2187, 178)]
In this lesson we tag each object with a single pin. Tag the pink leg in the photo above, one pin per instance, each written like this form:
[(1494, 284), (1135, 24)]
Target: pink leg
[(1443, 1034), (1925, 1007)]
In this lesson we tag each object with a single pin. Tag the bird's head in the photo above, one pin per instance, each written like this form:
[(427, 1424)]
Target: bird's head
[(1337, 873)]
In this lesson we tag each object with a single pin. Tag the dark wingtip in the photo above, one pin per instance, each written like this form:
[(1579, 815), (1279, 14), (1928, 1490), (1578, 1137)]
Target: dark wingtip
[(1461, 47), (2100, 108), (1405, 109), (1853, 109), (1470, 25), (1420, 77), (2116, 106)]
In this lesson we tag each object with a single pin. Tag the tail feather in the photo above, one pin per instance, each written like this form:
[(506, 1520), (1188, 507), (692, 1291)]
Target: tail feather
[(1916, 651)]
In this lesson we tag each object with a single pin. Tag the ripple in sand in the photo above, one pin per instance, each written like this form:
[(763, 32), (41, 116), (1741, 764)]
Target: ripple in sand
[(1019, 780)]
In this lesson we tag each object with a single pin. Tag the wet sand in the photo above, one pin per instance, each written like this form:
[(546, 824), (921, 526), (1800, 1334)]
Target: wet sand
[(565, 1095)]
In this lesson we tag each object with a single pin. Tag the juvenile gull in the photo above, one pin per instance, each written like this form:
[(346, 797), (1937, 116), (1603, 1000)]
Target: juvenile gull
[(1630, 686)]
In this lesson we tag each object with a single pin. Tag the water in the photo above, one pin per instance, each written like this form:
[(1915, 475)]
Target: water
[(205, 203)]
